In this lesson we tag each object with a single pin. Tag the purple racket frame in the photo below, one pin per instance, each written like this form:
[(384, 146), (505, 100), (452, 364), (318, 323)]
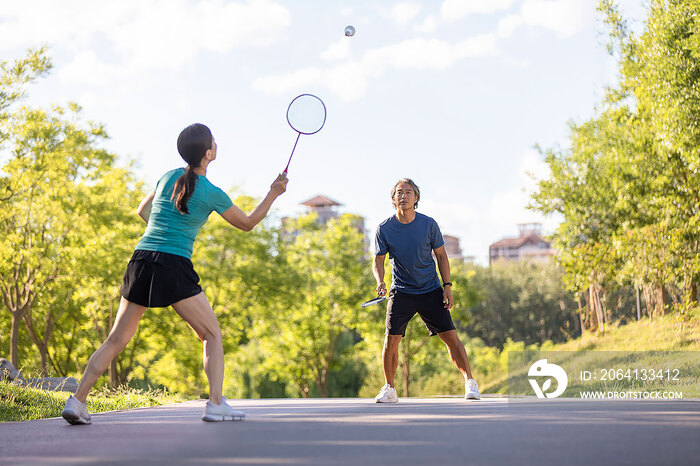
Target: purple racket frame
[(302, 132)]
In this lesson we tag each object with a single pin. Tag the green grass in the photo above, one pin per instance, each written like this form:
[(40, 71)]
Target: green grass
[(656, 338), (25, 403), (666, 333)]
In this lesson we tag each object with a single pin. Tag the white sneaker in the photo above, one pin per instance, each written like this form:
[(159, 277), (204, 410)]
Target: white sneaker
[(472, 390), (74, 412), (387, 395), (222, 412)]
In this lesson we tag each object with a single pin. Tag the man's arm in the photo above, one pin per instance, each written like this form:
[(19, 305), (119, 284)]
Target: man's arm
[(444, 268), (378, 270)]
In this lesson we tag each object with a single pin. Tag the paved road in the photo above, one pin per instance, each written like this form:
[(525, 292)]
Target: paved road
[(435, 431)]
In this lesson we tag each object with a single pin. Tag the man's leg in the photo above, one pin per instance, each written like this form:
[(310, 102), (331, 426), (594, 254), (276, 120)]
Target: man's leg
[(457, 352), (390, 361), (390, 357)]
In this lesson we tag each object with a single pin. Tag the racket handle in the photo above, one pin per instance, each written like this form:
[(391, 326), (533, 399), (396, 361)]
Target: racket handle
[(292, 154)]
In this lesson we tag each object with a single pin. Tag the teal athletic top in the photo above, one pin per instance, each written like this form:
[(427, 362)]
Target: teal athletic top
[(173, 232)]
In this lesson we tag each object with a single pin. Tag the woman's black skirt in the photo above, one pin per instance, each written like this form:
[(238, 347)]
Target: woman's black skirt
[(159, 279)]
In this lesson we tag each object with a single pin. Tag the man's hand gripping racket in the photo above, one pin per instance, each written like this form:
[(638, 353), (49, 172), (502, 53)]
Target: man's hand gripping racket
[(381, 296)]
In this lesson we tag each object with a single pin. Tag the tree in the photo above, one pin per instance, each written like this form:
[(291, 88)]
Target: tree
[(57, 177), (304, 341), (628, 186), (13, 80), (521, 301), (110, 230)]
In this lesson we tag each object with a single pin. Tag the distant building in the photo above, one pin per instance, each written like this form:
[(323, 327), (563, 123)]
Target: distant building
[(529, 245), (452, 247), (323, 206)]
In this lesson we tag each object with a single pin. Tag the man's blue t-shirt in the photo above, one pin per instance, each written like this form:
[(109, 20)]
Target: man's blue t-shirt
[(410, 247), (169, 230)]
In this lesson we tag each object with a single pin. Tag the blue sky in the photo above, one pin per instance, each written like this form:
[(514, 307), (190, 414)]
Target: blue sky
[(452, 93)]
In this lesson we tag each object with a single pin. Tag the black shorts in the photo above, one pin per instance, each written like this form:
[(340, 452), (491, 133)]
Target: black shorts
[(159, 279), (429, 306)]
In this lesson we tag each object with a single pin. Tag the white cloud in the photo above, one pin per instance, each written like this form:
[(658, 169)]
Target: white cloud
[(283, 83), (405, 11), (65, 23), (563, 17), (507, 25), (428, 25), (87, 69), (338, 50), (452, 10), (411, 54), (349, 80), (164, 34)]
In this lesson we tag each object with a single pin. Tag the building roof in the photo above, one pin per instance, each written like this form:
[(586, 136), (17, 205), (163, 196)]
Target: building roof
[(517, 242), (320, 201)]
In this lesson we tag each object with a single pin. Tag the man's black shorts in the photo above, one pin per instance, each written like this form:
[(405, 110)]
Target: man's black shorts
[(429, 306), (159, 279)]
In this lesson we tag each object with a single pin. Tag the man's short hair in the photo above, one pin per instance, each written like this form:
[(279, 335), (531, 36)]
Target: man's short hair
[(413, 185)]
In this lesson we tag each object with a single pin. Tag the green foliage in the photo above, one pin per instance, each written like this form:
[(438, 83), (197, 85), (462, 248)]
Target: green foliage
[(247, 377), (304, 341), (628, 187), (64, 227), (16, 75), (521, 301)]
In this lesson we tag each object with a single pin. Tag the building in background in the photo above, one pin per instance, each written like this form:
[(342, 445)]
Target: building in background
[(452, 247), (529, 245), (323, 206), (326, 209)]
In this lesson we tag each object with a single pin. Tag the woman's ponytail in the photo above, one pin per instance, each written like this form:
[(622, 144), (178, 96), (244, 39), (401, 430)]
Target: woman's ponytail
[(192, 144), (184, 187)]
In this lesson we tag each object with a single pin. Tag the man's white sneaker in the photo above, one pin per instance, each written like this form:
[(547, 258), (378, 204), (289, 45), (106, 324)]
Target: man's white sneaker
[(387, 395), (472, 390), (74, 412), (222, 412)]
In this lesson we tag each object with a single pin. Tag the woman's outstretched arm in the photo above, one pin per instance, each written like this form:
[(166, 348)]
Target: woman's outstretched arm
[(239, 219)]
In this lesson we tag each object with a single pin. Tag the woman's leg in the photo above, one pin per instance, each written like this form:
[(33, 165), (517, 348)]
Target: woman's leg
[(197, 312), (125, 326)]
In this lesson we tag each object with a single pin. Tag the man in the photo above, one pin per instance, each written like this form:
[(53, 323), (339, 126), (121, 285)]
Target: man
[(409, 238)]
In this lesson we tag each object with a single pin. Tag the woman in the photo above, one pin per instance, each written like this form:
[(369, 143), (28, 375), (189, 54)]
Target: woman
[(160, 272)]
